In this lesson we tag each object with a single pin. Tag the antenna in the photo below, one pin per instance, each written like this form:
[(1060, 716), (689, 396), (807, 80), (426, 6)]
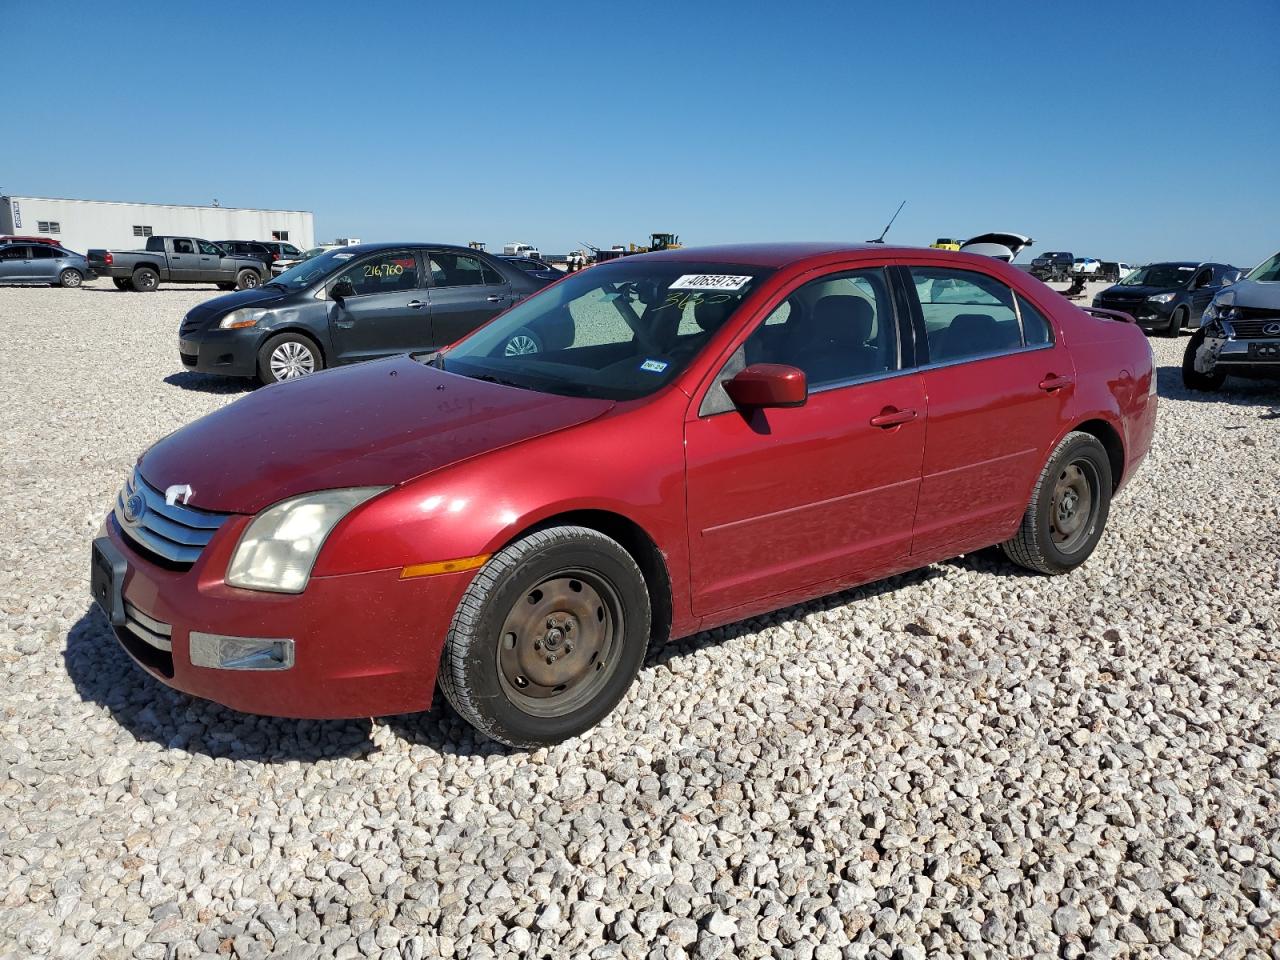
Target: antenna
[(880, 239)]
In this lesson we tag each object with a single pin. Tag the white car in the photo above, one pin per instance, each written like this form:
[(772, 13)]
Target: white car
[(280, 266), (1086, 267)]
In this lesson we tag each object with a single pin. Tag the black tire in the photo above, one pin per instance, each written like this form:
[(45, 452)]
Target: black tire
[(70, 278), (145, 280), (484, 661), (1177, 320), (1058, 533), (272, 368), (248, 279), (122, 283), (225, 286), (1192, 378), (523, 341)]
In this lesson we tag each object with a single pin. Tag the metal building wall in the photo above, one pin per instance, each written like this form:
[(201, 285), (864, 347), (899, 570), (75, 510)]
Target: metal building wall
[(93, 223)]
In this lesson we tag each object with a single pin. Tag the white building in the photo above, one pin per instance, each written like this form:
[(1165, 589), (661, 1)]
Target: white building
[(81, 224)]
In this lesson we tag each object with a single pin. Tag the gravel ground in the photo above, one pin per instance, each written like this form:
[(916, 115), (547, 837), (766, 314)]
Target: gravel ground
[(963, 761)]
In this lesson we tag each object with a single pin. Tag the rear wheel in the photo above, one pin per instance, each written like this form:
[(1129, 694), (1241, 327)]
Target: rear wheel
[(1192, 378), (1177, 321), (1068, 509), (122, 283), (247, 279), (288, 357), (70, 278), (145, 280), (547, 638)]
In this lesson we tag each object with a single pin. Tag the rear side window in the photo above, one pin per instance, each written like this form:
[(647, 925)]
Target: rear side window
[(966, 314), (43, 253), (183, 246), (455, 270), (1035, 327)]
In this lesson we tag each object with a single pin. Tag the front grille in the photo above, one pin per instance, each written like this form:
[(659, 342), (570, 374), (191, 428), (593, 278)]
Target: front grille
[(173, 532), (1247, 328), (153, 632), (188, 359), (190, 324)]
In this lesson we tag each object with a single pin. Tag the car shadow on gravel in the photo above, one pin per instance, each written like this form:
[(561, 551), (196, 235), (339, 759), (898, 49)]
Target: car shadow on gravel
[(104, 674), (1238, 391), (209, 383)]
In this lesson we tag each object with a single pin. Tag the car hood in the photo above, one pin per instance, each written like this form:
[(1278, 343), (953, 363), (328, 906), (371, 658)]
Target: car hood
[(221, 306), (371, 424), (1252, 294), (1121, 292)]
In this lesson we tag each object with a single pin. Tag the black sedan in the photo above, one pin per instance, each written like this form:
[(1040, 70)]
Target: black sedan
[(1168, 297), (353, 303), (537, 268)]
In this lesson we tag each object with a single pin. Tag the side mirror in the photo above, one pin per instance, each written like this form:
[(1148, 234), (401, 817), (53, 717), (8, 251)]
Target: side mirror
[(341, 290), (768, 385)]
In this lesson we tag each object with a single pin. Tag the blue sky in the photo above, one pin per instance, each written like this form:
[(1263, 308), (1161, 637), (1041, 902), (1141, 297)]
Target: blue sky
[(1139, 131)]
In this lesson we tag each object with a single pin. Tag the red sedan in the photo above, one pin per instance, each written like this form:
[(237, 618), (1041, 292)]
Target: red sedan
[(701, 436)]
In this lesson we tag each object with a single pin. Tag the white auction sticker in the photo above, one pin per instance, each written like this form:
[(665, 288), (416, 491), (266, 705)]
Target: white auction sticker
[(710, 281)]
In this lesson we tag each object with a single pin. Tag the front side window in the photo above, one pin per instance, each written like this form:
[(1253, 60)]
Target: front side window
[(966, 314), (837, 329), (210, 249), (455, 270), (386, 272), (620, 330)]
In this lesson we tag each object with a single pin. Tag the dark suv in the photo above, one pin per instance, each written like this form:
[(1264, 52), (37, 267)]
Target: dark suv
[(1167, 297), (355, 303), (249, 248), (1055, 265)]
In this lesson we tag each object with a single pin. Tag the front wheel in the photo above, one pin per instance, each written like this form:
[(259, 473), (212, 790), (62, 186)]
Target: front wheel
[(1068, 509), (1192, 378), (70, 278), (288, 357), (247, 279), (547, 638), (1177, 321)]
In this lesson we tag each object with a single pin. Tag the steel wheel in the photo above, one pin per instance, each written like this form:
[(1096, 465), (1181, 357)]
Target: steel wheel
[(519, 345), (251, 281), (559, 644), (291, 360), (1073, 506)]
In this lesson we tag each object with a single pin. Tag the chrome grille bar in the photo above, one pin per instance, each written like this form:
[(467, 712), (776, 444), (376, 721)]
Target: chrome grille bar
[(176, 532)]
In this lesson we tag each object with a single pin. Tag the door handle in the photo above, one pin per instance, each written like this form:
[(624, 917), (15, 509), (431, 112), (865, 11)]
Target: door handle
[(494, 299), (1054, 382), (415, 304), (344, 324), (891, 417)]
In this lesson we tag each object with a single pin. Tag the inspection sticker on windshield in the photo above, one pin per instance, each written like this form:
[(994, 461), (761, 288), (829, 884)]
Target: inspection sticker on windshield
[(710, 281), (654, 366)]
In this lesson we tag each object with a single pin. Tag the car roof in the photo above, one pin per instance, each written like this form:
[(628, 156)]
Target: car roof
[(795, 253)]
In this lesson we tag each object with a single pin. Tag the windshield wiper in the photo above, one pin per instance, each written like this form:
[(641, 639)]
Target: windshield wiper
[(490, 378)]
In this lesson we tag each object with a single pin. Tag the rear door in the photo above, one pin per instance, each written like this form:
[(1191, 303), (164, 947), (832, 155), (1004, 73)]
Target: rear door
[(998, 383), (15, 262), (388, 313), (465, 293), (46, 263), (184, 260)]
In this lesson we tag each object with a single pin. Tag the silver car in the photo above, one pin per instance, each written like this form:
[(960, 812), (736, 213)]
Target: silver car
[(43, 263)]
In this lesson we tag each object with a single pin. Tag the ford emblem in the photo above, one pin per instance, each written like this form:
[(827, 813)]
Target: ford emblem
[(1272, 329), (134, 508)]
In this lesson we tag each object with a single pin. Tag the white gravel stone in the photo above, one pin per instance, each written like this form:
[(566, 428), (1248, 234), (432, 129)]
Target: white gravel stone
[(959, 760)]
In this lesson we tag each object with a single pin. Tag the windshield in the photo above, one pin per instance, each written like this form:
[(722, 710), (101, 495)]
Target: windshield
[(618, 331), (1159, 275), (312, 269), (1267, 272)]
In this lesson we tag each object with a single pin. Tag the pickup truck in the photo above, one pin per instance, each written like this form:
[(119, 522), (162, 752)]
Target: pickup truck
[(178, 260)]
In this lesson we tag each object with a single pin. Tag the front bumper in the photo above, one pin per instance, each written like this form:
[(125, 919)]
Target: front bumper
[(232, 353), (1145, 313), (1239, 357), (363, 645)]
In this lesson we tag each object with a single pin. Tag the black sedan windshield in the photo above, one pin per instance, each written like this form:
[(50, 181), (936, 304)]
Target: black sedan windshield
[(309, 271), (1159, 275), (618, 331)]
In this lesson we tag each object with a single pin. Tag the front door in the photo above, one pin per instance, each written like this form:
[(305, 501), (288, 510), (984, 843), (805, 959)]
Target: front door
[(809, 498), (465, 293), (184, 261), (385, 310), (998, 383), (211, 259), (1203, 287)]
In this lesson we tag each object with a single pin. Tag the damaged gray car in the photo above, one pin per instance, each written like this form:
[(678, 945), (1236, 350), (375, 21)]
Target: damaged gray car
[(1239, 334)]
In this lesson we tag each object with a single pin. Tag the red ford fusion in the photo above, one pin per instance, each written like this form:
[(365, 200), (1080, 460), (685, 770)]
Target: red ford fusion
[(701, 436)]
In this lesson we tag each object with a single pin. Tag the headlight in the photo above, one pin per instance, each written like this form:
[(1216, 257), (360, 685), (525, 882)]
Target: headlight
[(246, 317), (280, 546), (1161, 298), (1217, 311)]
